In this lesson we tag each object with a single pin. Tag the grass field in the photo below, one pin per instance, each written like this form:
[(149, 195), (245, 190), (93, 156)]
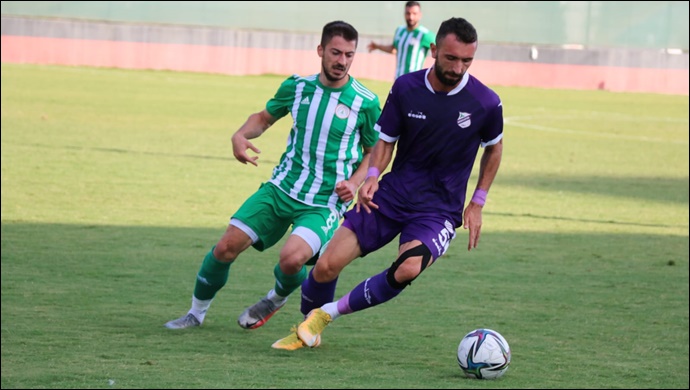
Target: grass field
[(116, 183)]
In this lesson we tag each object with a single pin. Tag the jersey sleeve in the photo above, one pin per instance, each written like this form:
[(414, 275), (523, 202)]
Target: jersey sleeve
[(281, 103), (428, 39), (493, 127), (388, 124), (396, 37), (370, 134)]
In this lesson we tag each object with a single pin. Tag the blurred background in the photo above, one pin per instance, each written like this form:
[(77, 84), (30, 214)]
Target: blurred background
[(628, 46)]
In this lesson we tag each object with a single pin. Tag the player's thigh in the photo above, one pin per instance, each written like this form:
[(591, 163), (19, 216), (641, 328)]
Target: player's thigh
[(264, 213), (434, 231), (373, 230), (315, 225)]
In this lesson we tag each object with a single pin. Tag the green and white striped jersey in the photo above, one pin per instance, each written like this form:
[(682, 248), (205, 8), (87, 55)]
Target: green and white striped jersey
[(411, 48), (330, 127)]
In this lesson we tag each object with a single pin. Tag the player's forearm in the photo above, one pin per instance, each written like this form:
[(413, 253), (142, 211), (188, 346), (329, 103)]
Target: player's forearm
[(360, 173), (381, 156), (386, 48), (376, 46), (489, 164), (255, 125)]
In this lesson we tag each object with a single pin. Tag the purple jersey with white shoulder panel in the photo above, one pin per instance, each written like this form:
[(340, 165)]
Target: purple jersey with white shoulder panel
[(438, 136)]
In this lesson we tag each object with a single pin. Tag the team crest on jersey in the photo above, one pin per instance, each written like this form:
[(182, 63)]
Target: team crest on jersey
[(342, 111), (464, 120)]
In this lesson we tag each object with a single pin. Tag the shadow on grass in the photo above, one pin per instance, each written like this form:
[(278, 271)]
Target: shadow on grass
[(587, 220), (646, 188)]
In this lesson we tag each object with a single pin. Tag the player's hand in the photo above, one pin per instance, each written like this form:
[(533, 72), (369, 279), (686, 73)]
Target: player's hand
[(366, 194), (240, 145), (473, 222), (345, 190), (371, 46)]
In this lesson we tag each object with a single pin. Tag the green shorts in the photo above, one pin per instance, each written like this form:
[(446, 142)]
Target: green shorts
[(270, 212)]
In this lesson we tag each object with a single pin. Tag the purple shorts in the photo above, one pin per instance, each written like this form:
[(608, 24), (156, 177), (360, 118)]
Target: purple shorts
[(375, 230)]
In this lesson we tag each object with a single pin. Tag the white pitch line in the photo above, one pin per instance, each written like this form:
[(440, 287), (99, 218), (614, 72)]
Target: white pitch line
[(511, 121), (616, 115)]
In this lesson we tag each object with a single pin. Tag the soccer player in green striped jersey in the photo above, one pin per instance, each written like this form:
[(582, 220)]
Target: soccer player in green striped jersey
[(411, 41), (313, 184)]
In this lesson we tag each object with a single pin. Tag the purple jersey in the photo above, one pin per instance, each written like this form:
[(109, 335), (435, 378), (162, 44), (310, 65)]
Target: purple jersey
[(438, 136)]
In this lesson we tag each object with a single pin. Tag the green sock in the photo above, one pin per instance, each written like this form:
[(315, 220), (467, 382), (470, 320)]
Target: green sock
[(286, 284), (211, 277)]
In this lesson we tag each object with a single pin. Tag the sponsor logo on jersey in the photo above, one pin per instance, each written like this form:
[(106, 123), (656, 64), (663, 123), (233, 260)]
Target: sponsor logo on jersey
[(305, 100), (417, 115)]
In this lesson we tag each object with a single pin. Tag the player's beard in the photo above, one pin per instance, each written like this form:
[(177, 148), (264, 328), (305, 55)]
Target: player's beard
[(330, 77), (441, 76)]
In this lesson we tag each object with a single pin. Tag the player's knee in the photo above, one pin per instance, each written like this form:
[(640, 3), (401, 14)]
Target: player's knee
[(225, 252), (233, 242), (406, 271), (324, 272), (402, 272), (292, 263)]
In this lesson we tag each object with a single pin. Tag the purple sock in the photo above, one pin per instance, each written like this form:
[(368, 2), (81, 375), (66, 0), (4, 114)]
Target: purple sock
[(371, 292), (315, 294)]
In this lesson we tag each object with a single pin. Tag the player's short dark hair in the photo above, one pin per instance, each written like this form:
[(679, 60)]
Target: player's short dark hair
[(412, 4), (339, 28), (460, 27)]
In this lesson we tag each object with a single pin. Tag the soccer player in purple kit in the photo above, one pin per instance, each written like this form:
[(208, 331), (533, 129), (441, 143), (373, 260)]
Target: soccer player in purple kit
[(438, 117)]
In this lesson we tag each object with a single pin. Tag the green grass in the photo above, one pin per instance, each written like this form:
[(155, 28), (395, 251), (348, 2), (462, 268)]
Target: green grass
[(116, 183)]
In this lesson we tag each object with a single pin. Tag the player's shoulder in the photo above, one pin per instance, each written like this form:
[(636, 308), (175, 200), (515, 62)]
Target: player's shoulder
[(424, 29), (289, 85), (410, 80), (363, 91), (483, 92), (295, 79), (400, 29)]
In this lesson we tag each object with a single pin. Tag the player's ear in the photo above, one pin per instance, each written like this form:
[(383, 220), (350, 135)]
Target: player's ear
[(319, 51), (433, 48)]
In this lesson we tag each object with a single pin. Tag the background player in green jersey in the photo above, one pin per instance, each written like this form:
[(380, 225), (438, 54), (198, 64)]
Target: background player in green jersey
[(411, 41), (313, 184)]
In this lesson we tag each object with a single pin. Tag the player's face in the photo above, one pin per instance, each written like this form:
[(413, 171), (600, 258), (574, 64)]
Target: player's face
[(412, 16), (336, 58), (453, 58)]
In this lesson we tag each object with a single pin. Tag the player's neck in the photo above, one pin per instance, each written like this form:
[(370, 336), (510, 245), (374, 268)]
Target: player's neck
[(333, 84), (437, 85)]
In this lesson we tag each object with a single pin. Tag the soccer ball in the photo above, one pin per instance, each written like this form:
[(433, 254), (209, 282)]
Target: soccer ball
[(483, 354)]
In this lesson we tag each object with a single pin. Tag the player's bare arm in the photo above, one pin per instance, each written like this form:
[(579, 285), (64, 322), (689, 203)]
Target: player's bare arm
[(490, 161), (255, 125), (488, 166), (387, 48), (380, 158)]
